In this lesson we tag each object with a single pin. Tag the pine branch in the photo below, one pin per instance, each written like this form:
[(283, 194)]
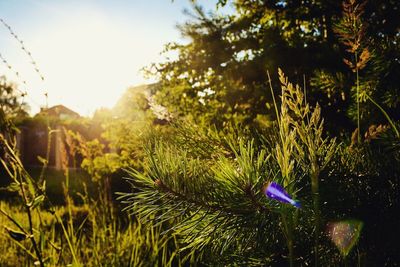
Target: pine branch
[(204, 203)]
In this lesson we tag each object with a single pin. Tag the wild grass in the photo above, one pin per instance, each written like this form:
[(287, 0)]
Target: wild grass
[(96, 243), (302, 145), (37, 232)]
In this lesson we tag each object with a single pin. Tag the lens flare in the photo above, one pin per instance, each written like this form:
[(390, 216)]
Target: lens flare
[(277, 192), (345, 234)]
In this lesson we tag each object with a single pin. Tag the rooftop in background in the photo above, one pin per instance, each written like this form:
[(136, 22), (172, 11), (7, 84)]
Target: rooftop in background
[(89, 52), (60, 112)]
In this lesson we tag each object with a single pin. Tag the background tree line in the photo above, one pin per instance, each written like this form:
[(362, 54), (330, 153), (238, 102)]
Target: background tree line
[(220, 75)]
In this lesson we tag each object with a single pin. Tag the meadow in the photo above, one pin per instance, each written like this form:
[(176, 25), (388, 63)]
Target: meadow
[(272, 139)]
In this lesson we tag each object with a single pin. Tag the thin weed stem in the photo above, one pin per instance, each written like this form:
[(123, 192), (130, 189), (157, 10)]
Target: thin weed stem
[(28, 212), (386, 115), (358, 97), (273, 97)]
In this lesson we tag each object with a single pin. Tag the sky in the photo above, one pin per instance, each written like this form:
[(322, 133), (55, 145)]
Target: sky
[(88, 51)]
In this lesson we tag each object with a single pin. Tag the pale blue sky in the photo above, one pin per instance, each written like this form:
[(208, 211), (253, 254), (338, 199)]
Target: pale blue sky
[(89, 51)]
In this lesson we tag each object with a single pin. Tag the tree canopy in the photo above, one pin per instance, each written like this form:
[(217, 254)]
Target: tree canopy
[(11, 104), (220, 75)]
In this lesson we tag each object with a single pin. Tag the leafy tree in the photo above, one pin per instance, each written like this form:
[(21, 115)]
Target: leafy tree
[(11, 105), (118, 143), (220, 74), (124, 123)]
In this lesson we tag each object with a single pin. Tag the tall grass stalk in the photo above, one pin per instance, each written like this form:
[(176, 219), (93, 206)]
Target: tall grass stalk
[(302, 142), (45, 161), (351, 33), (32, 195), (284, 153), (273, 97), (358, 97), (21, 178)]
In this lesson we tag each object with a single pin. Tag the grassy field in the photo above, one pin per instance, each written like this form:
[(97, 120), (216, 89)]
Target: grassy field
[(77, 229)]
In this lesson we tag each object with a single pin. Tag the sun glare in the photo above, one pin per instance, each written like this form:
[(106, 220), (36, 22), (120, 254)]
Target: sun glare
[(87, 61)]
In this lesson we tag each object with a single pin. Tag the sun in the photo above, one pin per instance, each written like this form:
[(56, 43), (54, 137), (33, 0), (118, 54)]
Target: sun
[(88, 60)]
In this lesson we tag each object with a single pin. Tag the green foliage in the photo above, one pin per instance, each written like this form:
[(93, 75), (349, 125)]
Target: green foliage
[(204, 187), (31, 195), (208, 204), (199, 164), (97, 244), (11, 106), (302, 142), (72, 235), (208, 191), (364, 53), (119, 144), (219, 76)]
